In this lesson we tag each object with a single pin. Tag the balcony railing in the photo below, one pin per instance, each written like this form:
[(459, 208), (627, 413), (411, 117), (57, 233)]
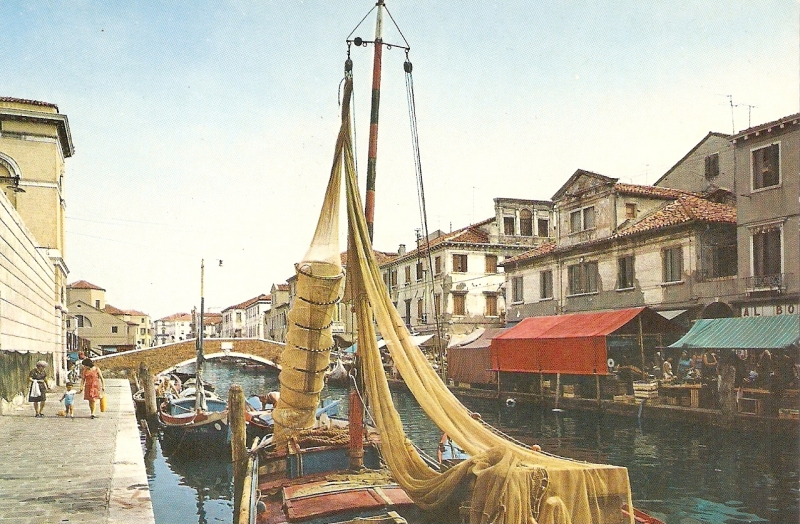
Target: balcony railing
[(776, 282)]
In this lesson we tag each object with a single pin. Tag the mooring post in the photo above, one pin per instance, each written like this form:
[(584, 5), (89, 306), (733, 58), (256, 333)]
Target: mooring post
[(149, 386), (236, 412)]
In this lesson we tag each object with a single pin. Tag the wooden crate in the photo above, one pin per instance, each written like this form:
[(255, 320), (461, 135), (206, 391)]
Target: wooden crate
[(748, 405), (645, 386)]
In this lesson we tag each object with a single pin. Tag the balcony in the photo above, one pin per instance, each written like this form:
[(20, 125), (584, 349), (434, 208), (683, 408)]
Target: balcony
[(775, 283)]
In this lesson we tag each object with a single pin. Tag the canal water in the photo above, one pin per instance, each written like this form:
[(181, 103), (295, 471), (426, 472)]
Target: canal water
[(683, 474)]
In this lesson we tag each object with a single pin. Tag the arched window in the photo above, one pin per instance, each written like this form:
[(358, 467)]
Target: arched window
[(526, 223), (82, 321)]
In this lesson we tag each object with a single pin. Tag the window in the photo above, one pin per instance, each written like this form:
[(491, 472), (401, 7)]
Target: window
[(491, 263), (68, 324), (238, 316), (516, 289), (712, 166), (583, 278), (114, 329), (420, 271), (526, 223), (766, 167), (508, 225), (408, 312), (767, 252), (97, 304), (588, 218), (394, 278), (575, 221), (437, 265), (437, 304), (420, 311), (630, 210), (546, 284), (459, 263), (543, 227), (581, 220), (625, 272), (673, 264), (458, 304), (491, 305), (407, 270), (142, 331)]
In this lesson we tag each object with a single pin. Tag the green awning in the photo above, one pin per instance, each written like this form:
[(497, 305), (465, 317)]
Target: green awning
[(773, 332)]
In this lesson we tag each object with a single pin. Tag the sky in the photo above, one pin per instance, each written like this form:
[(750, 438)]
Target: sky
[(204, 130)]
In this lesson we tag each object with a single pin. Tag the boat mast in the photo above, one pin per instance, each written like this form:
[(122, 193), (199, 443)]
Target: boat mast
[(372, 158), (198, 366)]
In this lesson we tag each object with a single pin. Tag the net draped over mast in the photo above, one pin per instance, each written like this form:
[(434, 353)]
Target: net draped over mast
[(508, 478)]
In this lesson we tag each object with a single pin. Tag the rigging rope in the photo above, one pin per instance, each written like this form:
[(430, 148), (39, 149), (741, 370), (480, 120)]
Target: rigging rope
[(412, 116)]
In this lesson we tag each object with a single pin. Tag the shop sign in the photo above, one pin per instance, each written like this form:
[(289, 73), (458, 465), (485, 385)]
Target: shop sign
[(769, 310)]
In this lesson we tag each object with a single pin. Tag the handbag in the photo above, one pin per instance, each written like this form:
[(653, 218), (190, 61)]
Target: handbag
[(35, 392), (103, 403)]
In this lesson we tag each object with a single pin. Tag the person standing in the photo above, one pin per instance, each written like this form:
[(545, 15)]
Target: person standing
[(68, 398), (92, 384), (37, 392)]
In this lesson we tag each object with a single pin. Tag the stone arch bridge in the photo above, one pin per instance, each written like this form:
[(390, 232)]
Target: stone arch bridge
[(161, 358)]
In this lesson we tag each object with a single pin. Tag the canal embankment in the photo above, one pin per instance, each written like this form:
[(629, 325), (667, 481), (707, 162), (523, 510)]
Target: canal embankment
[(59, 470)]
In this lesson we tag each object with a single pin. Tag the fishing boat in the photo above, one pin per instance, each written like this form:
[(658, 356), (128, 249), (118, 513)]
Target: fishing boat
[(314, 472), (196, 423)]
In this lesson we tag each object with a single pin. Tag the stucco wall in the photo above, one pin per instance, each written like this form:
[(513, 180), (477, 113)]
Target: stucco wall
[(28, 315)]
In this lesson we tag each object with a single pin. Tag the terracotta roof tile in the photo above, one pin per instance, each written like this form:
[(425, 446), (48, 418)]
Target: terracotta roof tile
[(82, 284), (653, 191), (111, 310), (763, 127), (471, 234), (545, 248), (247, 303), (26, 101), (687, 208), (176, 317)]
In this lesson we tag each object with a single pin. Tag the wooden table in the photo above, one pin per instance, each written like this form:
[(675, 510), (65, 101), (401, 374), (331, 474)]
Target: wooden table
[(682, 391)]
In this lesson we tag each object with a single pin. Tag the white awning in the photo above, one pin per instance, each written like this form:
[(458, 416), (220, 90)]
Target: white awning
[(415, 339), (672, 313), (460, 340)]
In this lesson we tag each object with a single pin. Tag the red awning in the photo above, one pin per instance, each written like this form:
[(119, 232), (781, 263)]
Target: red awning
[(570, 344)]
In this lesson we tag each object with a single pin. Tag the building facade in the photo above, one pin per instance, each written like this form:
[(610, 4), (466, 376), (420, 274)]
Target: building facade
[(457, 278), (256, 311), (276, 321), (35, 142), (622, 245), (107, 328), (173, 328), (767, 170)]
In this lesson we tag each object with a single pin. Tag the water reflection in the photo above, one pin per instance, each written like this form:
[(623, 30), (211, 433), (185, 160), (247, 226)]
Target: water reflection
[(681, 473)]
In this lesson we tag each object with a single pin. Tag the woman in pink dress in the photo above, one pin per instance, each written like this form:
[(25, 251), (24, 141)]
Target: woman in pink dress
[(92, 384)]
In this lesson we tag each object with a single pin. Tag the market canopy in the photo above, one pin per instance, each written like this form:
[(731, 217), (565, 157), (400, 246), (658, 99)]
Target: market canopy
[(773, 332), (572, 344), (471, 362)]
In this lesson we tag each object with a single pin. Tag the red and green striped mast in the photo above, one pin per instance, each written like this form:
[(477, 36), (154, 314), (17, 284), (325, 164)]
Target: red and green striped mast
[(372, 156)]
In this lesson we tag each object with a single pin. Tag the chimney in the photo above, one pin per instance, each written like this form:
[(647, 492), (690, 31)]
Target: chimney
[(401, 250)]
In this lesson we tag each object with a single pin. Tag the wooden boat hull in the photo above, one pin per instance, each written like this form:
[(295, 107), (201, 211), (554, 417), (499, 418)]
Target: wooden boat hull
[(190, 430)]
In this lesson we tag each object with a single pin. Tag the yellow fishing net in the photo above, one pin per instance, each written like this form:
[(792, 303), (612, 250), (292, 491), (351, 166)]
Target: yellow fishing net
[(508, 478)]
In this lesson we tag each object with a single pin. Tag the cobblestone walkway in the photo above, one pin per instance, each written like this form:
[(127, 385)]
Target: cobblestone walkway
[(57, 470)]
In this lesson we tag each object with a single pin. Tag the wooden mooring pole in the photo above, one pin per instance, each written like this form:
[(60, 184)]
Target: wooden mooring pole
[(236, 412), (149, 386)]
